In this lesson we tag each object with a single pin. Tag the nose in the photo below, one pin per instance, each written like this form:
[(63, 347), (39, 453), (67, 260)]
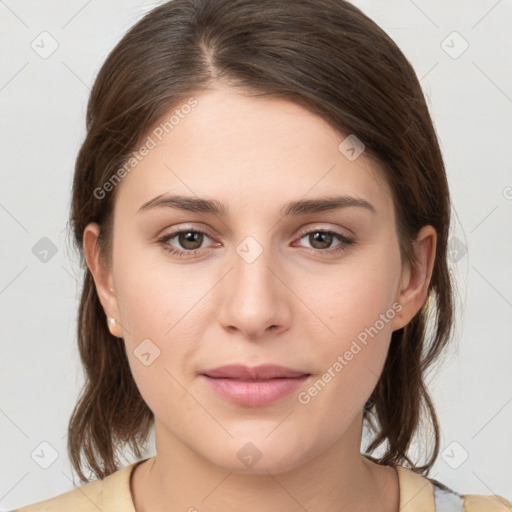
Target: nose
[(255, 300)]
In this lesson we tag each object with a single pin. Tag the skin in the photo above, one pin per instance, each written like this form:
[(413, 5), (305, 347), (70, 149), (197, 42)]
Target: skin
[(215, 308)]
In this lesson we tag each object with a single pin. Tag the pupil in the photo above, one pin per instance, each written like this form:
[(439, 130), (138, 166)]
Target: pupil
[(320, 238), (189, 237)]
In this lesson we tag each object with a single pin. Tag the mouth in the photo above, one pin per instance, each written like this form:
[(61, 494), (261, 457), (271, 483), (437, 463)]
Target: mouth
[(254, 387)]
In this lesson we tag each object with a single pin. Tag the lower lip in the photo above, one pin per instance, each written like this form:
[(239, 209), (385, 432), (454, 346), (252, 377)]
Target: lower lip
[(255, 393)]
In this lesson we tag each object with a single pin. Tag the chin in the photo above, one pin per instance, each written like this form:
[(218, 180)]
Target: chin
[(258, 457)]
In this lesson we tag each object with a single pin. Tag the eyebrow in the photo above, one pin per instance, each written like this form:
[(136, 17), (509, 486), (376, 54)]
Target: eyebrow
[(214, 207)]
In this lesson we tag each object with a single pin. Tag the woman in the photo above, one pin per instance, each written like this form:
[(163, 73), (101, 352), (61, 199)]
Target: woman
[(262, 209)]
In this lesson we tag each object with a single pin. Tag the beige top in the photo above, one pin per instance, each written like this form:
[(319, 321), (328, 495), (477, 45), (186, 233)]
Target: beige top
[(417, 494)]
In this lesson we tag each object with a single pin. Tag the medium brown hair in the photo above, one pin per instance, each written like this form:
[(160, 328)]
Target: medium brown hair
[(326, 56)]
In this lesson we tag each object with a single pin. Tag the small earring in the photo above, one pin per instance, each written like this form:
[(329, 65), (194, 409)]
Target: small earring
[(112, 321)]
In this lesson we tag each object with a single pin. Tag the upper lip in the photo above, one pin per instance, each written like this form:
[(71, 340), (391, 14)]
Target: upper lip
[(242, 372)]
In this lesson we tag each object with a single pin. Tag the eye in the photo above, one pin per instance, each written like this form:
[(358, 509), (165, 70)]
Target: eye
[(321, 240), (190, 239)]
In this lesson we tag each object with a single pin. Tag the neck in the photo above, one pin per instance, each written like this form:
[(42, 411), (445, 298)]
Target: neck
[(338, 479)]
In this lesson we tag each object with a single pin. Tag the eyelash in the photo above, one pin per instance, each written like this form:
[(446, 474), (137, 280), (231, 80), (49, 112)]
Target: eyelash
[(345, 240)]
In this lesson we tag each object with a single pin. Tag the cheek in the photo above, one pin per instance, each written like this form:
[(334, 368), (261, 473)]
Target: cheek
[(154, 297), (161, 324), (357, 308), (162, 316), (160, 340), (349, 364), (357, 295)]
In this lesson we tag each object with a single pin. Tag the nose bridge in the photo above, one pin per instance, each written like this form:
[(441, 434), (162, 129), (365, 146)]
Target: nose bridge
[(253, 295), (252, 278)]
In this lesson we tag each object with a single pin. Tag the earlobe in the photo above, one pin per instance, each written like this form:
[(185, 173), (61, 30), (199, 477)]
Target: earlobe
[(103, 278), (415, 278)]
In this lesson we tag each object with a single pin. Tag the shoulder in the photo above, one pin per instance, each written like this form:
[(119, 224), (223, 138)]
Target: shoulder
[(494, 503), (81, 499), (111, 494), (421, 493)]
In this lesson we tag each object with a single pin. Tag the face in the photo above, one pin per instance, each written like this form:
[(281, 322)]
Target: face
[(315, 290)]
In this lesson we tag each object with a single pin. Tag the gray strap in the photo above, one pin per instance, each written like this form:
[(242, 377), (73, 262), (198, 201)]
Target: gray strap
[(447, 500)]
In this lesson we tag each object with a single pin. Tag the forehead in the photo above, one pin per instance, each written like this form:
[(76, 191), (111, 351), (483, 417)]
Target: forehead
[(251, 152)]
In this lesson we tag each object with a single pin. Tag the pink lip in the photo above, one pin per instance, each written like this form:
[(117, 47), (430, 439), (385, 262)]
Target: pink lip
[(254, 387)]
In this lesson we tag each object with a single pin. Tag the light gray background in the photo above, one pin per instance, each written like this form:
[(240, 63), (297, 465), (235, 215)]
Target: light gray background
[(43, 104)]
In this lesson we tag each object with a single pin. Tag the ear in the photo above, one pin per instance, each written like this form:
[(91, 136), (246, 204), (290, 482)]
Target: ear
[(102, 276), (415, 281)]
